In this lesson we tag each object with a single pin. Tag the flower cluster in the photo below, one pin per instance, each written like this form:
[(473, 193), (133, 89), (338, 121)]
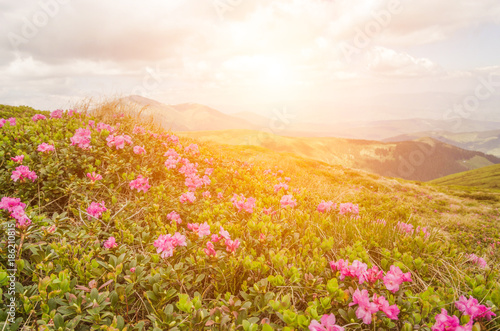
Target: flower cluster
[(110, 243), (38, 117), (103, 126), (58, 113), (11, 121), (326, 206), (348, 208), (45, 148), (138, 130), (187, 197), (280, 186), (96, 209), (23, 172), (193, 149), (81, 138), (408, 229), (367, 308), (166, 244), (288, 201), (16, 209), (477, 260), (395, 277), (139, 150), (18, 159), (200, 229), (472, 308), (118, 141), (445, 322), (140, 184), (242, 203), (357, 270), (327, 323), (173, 216)]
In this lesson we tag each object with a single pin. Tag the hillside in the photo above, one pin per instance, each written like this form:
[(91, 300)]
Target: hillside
[(424, 160), (183, 117), (484, 141), (113, 223), (486, 178)]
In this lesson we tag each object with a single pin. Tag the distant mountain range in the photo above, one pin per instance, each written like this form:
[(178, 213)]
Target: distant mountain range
[(486, 141), (195, 117), (424, 159)]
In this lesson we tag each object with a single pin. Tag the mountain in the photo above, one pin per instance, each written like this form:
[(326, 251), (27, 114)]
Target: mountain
[(381, 130), (423, 159), (487, 141), (485, 177), (184, 117)]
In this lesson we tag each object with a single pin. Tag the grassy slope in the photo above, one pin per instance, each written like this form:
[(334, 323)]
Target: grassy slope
[(283, 278), (424, 159), (485, 177)]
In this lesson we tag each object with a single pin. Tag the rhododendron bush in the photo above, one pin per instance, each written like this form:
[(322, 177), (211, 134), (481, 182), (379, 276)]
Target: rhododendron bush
[(120, 225)]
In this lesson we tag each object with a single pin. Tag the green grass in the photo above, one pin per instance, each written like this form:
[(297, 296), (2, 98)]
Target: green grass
[(486, 178)]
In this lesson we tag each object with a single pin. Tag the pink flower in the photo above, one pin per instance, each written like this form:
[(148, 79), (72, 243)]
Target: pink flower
[(173, 216), (472, 308), (327, 323), (348, 208), (16, 209), (288, 201), (140, 184), (110, 243), (242, 203), (269, 211), (405, 228), (365, 307), (12, 121), (96, 209), (325, 207), (138, 130), (94, 177), (171, 162), (210, 251), (139, 150), (231, 245), (56, 113), (118, 141), (477, 260), (280, 186), (200, 229), (395, 277), (18, 159), (187, 197), (220, 195), (209, 171), (103, 126), (171, 152), (373, 274), (45, 148), (165, 244), (81, 138), (23, 172), (206, 194), (391, 312), (224, 234), (445, 322), (262, 237), (193, 149), (52, 229), (38, 117), (132, 270)]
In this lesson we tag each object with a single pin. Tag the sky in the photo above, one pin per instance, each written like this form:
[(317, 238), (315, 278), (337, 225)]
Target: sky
[(322, 60)]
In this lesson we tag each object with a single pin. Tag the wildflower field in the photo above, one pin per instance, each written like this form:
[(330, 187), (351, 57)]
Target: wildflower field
[(120, 225)]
